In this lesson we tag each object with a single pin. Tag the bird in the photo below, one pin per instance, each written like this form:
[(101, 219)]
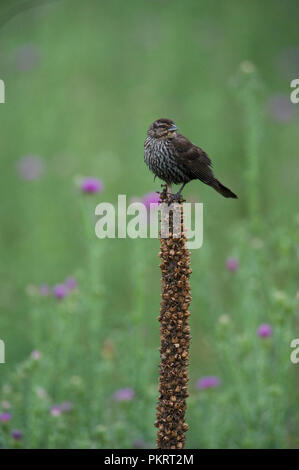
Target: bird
[(176, 160)]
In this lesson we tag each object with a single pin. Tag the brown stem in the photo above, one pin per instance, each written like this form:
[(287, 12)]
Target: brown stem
[(175, 336)]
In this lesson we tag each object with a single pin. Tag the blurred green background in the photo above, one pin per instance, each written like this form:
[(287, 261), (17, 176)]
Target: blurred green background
[(84, 80)]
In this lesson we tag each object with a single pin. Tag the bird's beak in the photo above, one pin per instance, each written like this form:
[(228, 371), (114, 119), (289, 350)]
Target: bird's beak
[(173, 128)]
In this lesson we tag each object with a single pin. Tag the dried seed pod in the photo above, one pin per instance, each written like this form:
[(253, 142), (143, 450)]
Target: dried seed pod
[(174, 336)]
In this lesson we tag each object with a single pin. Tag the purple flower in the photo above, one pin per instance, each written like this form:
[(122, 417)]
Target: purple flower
[(208, 382), (91, 185), (264, 330), (288, 62), (5, 417), (30, 167), (17, 434), (55, 410), (124, 394), (71, 283), (36, 355), (138, 444), (60, 291), (232, 264), (27, 56), (66, 406), (44, 290), (281, 108), (151, 198)]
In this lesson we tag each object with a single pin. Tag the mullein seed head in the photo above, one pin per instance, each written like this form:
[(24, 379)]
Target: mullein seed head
[(174, 336)]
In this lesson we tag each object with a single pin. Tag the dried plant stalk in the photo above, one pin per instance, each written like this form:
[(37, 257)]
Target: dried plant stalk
[(175, 336)]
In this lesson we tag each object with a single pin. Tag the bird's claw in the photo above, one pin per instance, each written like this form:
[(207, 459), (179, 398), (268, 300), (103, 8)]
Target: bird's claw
[(177, 196)]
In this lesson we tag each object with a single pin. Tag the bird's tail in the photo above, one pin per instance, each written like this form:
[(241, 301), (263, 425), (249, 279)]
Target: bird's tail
[(223, 189)]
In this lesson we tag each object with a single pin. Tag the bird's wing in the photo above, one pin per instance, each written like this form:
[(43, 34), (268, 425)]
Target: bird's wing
[(193, 158)]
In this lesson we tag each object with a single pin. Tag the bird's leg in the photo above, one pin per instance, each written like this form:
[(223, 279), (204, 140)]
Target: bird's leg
[(178, 194), (168, 192)]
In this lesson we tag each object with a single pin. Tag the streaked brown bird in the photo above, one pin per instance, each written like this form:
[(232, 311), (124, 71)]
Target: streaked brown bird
[(174, 159)]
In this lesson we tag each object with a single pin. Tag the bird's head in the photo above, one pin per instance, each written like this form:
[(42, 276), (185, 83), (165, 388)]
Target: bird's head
[(162, 129)]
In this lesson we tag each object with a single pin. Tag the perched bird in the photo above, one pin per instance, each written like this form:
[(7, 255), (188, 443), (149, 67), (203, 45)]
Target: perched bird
[(174, 159)]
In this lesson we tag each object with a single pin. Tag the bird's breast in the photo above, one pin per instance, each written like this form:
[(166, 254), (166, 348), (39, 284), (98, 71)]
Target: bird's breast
[(159, 157), (156, 155)]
